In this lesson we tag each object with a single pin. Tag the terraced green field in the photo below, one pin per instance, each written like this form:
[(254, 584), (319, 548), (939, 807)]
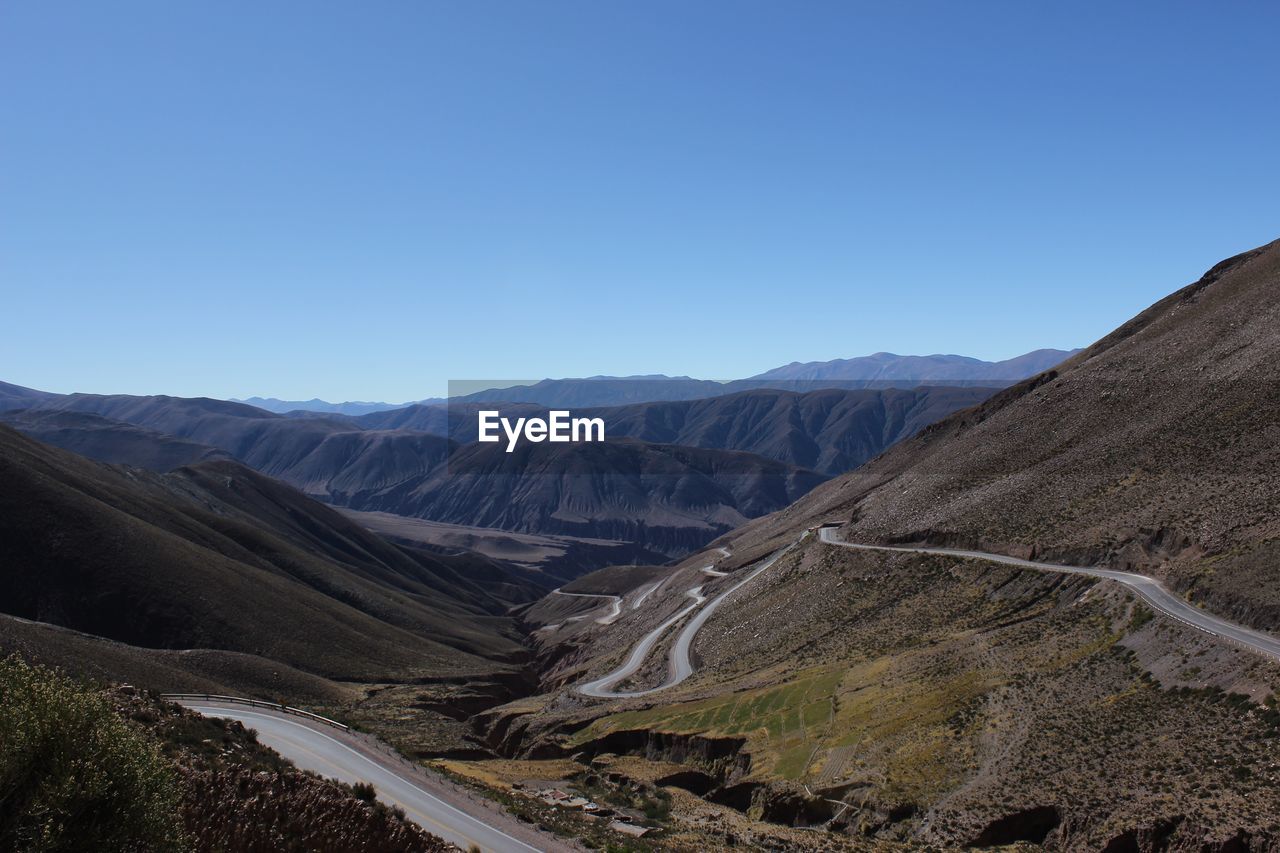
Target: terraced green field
[(826, 724), (782, 723)]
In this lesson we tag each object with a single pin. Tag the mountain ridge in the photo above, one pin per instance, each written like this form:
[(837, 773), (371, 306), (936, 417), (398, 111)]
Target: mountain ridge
[(391, 462), (890, 367), (217, 556)]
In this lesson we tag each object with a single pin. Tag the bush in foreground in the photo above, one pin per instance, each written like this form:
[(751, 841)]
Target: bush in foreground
[(73, 774)]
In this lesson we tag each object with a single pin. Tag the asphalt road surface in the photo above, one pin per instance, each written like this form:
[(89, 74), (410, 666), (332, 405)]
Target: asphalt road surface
[(615, 606), (680, 666), (1147, 588), (337, 755), (645, 592)]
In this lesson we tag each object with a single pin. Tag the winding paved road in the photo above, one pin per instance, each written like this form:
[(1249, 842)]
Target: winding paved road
[(338, 755), (1148, 589), (679, 665), (615, 609), (647, 591)]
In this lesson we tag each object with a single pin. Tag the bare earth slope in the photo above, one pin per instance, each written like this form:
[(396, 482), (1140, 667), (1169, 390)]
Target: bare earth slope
[(218, 557), (1154, 449), (109, 440)]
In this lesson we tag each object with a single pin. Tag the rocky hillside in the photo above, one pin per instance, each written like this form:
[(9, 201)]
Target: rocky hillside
[(1156, 449)]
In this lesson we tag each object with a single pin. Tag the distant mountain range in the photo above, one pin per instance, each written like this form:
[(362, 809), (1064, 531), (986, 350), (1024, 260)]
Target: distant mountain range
[(661, 498), (687, 459), (674, 474), (829, 431), (888, 367), (352, 407), (881, 370)]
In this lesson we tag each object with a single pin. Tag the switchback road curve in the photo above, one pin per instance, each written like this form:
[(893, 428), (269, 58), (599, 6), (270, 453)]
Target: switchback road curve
[(615, 606), (680, 666)]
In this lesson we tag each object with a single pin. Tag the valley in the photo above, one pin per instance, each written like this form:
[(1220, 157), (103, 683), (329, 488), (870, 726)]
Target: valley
[(672, 477), (924, 644), (926, 669)]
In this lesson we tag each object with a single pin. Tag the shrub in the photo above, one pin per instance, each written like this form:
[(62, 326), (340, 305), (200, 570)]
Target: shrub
[(74, 775)]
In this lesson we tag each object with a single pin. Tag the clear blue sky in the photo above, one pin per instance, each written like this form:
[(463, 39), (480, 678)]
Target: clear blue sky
[(364, 200)]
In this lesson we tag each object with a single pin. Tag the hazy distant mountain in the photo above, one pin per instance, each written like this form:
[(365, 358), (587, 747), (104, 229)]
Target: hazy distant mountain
[(352, 407), (599, 391), (880, 371), (326, 458), (457, 420), (830, 431), (888, 367)]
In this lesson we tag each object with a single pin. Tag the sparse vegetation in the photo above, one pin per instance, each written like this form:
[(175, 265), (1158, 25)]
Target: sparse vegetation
[(74, 775)]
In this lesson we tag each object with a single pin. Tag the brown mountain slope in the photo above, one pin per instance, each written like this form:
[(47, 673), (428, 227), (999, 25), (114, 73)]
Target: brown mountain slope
[(219, 557), (327, 457), (111, 441), (663, 500), (1157, 448)]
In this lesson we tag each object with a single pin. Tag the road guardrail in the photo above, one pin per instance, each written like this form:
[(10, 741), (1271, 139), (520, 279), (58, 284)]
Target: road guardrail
[(255, 703)]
